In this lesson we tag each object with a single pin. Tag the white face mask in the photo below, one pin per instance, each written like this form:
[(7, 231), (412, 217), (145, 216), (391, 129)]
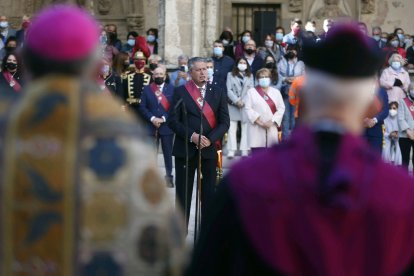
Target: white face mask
[(264, 82), (269, 43), (393, 112), (396, 65), (412, 93), (242, 67)]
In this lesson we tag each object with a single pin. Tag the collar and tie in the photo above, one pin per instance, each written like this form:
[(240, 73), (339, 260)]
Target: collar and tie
[(202, 91)]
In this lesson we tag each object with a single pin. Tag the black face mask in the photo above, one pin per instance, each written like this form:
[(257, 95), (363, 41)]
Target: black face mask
[(159, 80), (10, 49), (249, 51), (270, 65), (126, 66), (152, 66), (290, 55), (11, 66)]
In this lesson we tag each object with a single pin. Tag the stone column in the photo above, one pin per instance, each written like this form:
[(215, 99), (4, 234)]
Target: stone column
[(176, 26), (212, 20), (196, 28)]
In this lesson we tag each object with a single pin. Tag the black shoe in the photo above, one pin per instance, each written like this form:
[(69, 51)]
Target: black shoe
[(169, 182)]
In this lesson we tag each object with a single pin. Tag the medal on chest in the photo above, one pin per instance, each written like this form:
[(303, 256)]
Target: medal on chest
[(158, 95), (412, 108), (265, 97), (12, 83), (200, 101)]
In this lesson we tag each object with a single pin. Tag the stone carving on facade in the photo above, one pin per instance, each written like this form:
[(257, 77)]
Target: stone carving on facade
[(367, 6), (295, 6), (322, 9), (104, 6), (135, 22), (81, 2)]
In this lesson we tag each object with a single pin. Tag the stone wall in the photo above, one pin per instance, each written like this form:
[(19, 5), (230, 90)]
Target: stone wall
[(389, 14), (191, 26)]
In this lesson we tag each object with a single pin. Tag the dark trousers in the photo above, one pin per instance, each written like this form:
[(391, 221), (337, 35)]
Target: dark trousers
[(167, 145), (406, 145), (208, 183), (375, 142)]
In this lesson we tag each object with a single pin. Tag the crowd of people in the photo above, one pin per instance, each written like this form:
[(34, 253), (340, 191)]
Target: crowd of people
[(251, 90), (127, 68)]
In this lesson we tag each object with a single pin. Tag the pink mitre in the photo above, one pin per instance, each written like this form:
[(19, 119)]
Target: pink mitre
[(63, 33)]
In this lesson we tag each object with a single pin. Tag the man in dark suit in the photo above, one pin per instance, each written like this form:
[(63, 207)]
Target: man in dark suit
[(374, 126), (155, 104), (222, 63), (254, 60), (203, 103)]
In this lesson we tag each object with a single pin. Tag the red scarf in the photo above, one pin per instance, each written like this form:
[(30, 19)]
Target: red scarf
[(410, 105), (198, 99), (160, 97), (267, 99), (12, 81)]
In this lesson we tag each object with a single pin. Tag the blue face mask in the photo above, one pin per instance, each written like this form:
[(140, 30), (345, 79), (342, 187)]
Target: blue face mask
[(395, 43), (264, 82), (103, 39), (210, 72), (400, 36), (376, 37), (396, 65), (4, 24), (245, 39), (131, 42), (218, 51), (384, 40), (279, 36), (151, 38)]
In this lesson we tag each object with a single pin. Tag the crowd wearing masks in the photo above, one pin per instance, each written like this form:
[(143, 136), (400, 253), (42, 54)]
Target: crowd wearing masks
[(233, 67), (245, 97)]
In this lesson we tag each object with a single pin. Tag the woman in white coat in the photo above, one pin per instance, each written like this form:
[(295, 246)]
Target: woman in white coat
[(239, 80), (264, 109), (395, 79)]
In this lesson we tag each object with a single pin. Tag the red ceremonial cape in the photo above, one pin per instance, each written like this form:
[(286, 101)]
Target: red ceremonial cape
[(198, 99), (268, 100), (9, 78), (160, 96)]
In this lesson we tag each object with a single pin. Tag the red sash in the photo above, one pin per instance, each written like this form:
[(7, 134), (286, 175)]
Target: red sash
[(160, 96), (198, 99), (410, 105), (268, 100), (13, 83)]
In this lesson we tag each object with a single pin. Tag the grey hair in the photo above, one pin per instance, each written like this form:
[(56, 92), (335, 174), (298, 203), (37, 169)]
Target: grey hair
[(182, 57), (163, 67), (194, 60), (398, 56), (208, 60), (155, 57), (376, 28)]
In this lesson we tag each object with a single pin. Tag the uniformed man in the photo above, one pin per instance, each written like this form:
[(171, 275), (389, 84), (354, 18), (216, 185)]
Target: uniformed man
[(323, 202), (80, 191), (135, 82)]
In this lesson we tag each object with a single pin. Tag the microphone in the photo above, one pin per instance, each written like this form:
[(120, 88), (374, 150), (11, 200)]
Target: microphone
[(177, 105)]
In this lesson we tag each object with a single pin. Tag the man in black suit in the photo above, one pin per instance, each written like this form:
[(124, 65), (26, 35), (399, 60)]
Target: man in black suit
[(206, 103)]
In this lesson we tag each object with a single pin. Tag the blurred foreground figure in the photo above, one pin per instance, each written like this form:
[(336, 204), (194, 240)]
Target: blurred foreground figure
[(80, 192), (323, 203)]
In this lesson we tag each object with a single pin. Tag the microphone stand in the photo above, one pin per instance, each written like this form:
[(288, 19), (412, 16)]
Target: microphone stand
[(199, 175), (185, 119)]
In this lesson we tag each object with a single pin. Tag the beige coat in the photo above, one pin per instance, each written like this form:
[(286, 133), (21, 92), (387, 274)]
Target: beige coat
[(256, 107)]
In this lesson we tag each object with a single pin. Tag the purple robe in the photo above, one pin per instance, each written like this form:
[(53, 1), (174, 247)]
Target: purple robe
[(298, 213)]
